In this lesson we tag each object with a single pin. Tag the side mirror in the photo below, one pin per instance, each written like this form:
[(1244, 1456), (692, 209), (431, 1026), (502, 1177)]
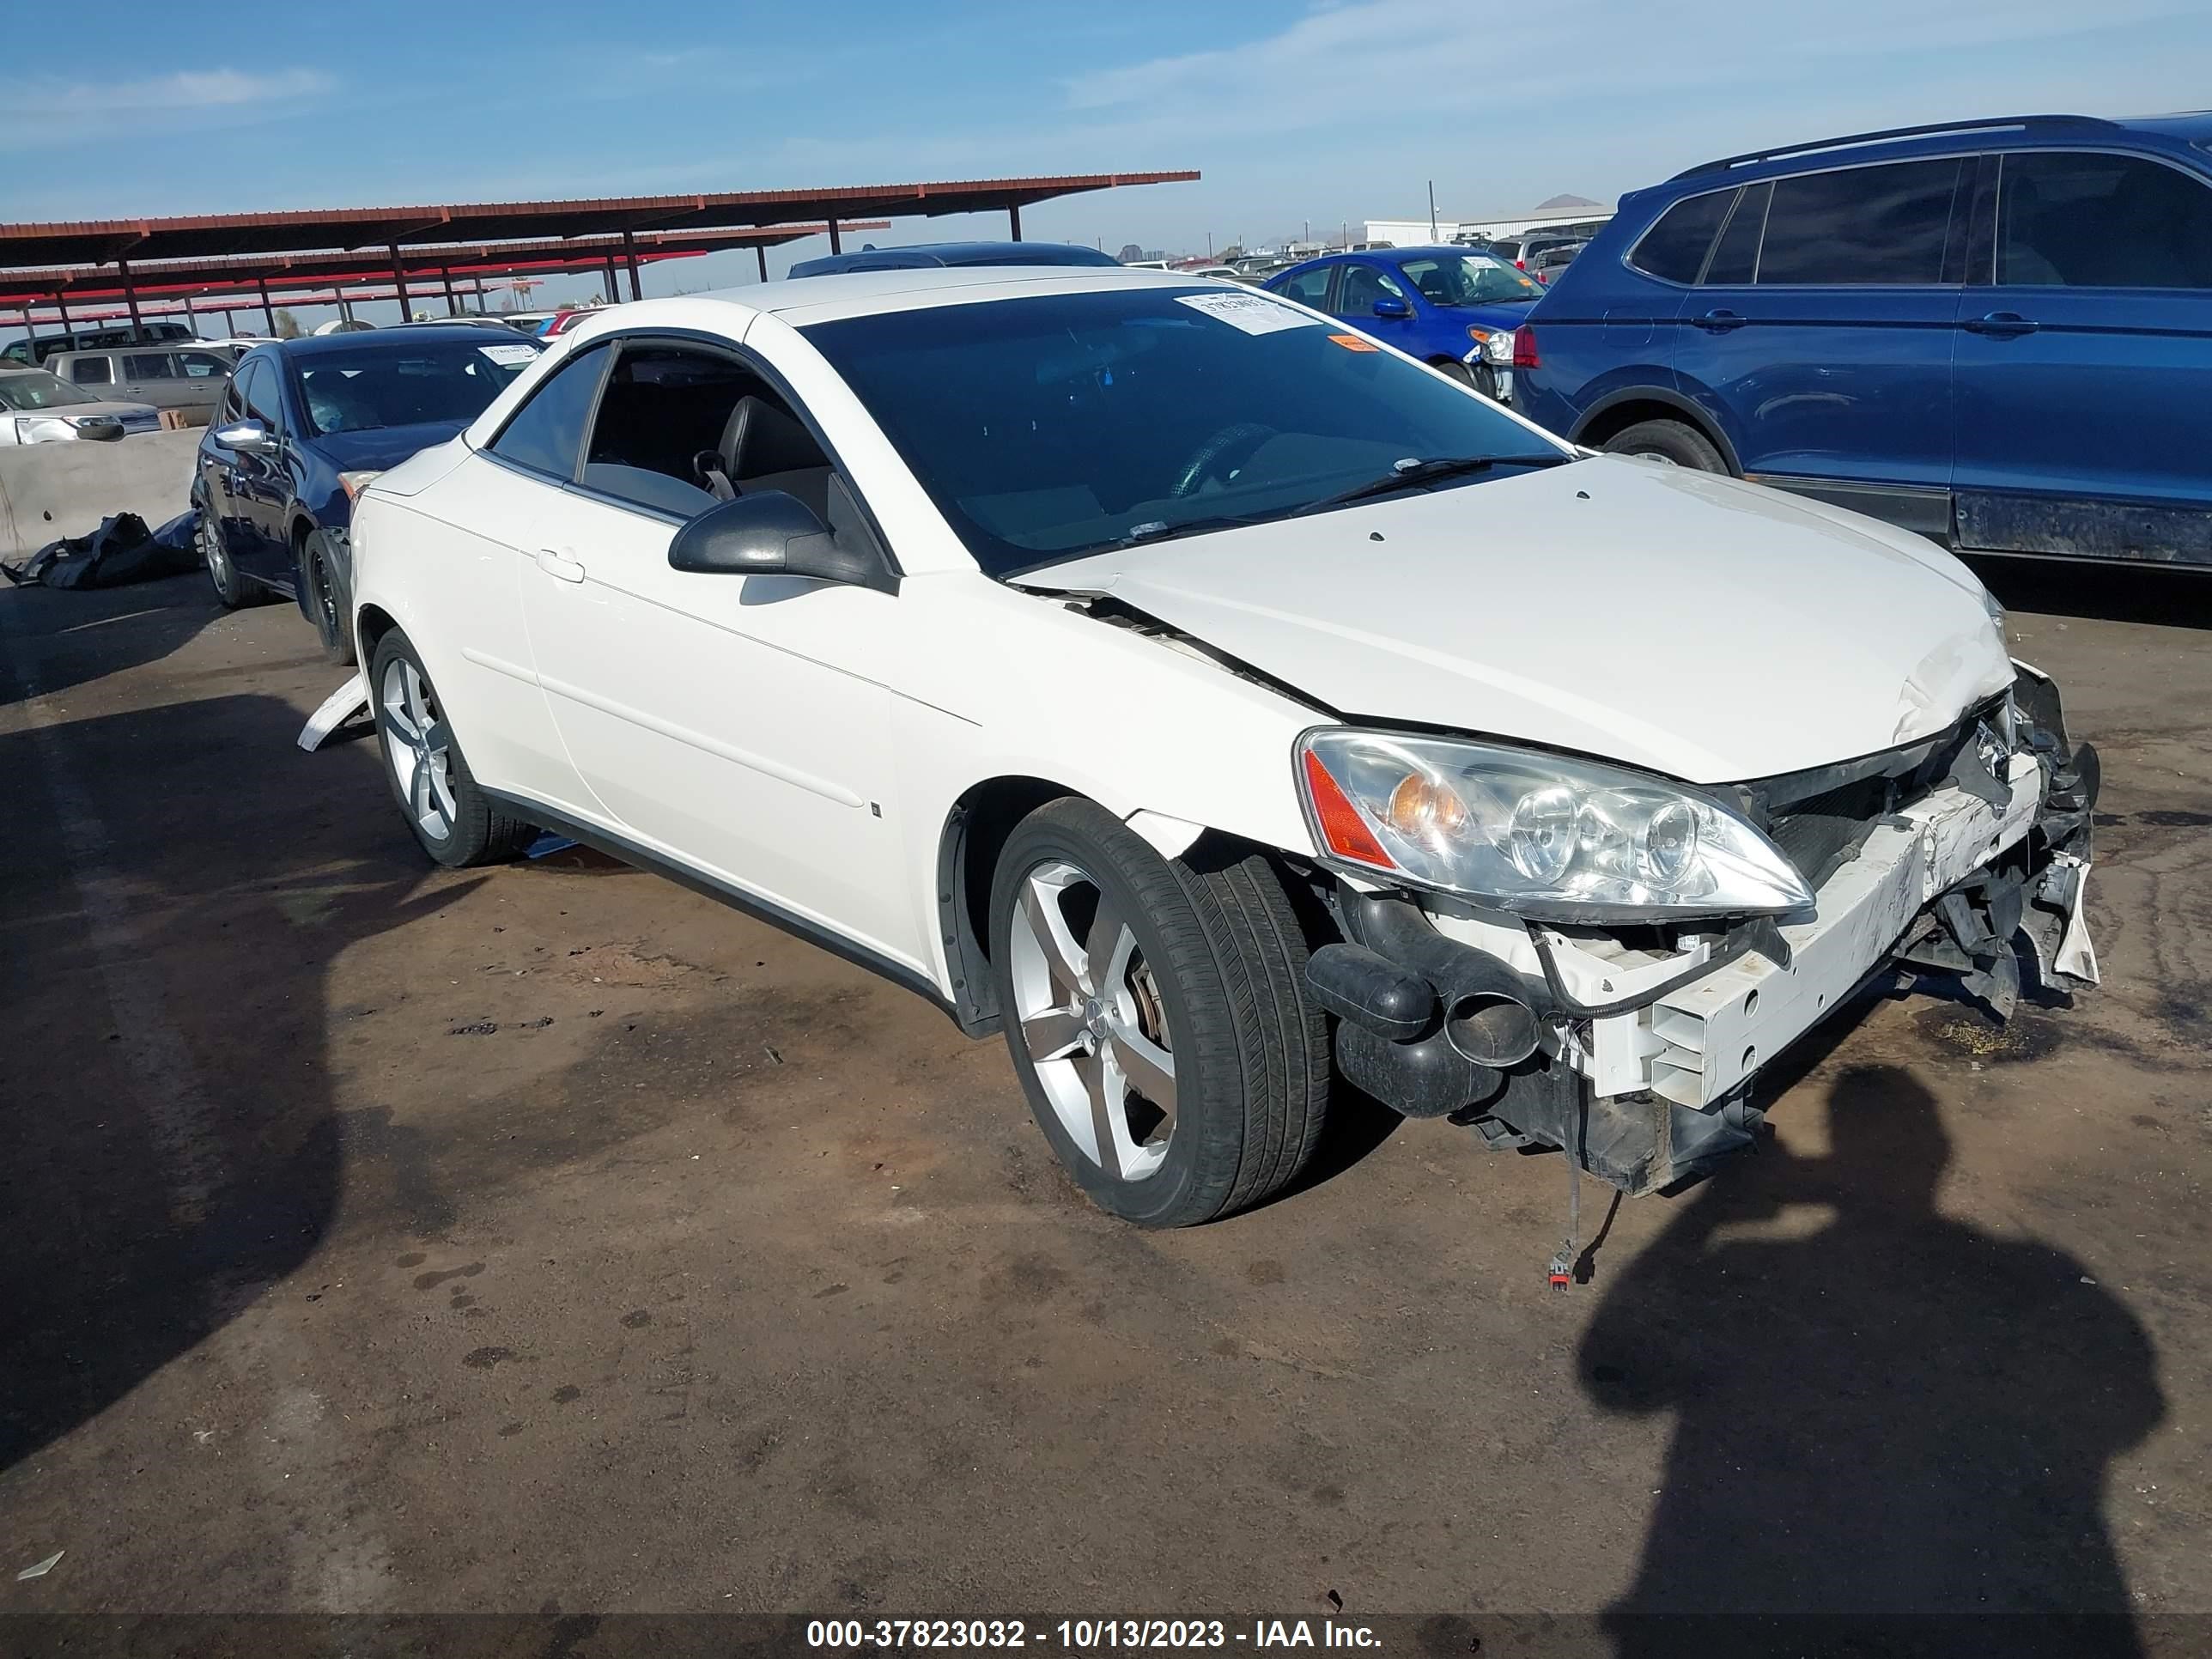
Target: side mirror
[(102, 431), (770, 533), (248, 437), (1389, 306)]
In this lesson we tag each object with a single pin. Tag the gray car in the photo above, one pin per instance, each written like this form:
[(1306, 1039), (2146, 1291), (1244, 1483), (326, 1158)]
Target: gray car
[(186, 377)]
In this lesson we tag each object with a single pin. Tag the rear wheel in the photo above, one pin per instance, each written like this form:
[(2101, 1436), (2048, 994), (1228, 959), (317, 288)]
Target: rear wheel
[(323, 596), (1459, 372), (1676, 442), (452, 818), (232, 590), (1155, 1010)]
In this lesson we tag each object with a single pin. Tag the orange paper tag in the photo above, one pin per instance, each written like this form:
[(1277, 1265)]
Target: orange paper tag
[(1353, 342)]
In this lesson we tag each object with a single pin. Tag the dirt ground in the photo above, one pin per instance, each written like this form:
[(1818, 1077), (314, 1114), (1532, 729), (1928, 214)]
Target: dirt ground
[(549, 1238)]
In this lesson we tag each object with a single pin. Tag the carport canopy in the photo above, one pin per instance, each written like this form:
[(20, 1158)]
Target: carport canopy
[(42, 262)]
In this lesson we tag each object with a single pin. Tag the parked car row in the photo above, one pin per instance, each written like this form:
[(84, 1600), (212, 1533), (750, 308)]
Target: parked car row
[(1373, 798)]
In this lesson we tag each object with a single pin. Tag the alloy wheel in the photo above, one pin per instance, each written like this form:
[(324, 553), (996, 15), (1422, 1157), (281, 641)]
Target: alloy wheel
[(1093, 1022), (417, 748), (215, 557)]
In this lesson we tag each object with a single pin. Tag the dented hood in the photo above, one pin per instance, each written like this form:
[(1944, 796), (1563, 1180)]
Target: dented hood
[(1689, 624)]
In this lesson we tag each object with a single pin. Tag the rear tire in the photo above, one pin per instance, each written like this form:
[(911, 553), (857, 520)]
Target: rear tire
[(1673, 442), (324, 597), (454, 821), (1459, 372), (1124, 977)]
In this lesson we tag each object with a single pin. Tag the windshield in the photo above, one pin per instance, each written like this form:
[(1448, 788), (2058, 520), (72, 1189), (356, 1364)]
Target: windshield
[(1468, 279), (36, 389), (1048, 427), (411, 383)]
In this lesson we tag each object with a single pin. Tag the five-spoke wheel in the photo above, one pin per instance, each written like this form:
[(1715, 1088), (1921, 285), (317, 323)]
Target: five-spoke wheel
[(1156, 1012)]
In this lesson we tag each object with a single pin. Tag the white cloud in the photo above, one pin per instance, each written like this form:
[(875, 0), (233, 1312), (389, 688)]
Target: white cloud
[(185, 90)]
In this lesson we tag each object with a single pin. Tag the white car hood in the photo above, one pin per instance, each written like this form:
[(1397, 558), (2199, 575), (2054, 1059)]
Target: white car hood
[(1692, 625)]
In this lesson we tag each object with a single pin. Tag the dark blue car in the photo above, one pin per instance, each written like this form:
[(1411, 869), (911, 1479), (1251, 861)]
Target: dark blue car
[(922, 255), (1446, 306), (303, 426), (1997, 333)]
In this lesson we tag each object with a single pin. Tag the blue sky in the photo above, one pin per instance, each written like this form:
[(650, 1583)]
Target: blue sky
[(1296, 113)]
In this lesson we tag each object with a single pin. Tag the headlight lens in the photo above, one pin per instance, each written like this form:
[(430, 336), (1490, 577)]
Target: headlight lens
[(1538, 834), (354, 483), (1491, 345), (1994, 606)]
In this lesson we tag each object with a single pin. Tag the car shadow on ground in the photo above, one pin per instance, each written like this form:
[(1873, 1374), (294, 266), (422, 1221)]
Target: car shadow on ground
[(2108, 591), (135, 625), (168, 1146), (1891, 1429)]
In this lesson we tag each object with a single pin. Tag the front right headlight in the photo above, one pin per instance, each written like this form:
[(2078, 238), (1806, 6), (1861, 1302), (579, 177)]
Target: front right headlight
[(1541, 836)]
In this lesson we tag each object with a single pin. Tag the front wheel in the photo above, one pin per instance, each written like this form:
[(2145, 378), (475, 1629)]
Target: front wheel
[(233, 591), (1156, 1013), (452, 818), (323, 596)]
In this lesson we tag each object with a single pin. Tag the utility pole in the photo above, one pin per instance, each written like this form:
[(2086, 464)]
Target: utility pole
[(1432, 209), (1209, 244)]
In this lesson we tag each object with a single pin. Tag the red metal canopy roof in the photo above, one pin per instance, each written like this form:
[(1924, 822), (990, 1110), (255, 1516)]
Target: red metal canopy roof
[(244, 275), (218, 235)]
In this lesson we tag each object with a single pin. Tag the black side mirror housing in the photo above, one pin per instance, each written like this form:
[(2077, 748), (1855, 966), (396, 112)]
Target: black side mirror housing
[(770, 532), (1388, 306)]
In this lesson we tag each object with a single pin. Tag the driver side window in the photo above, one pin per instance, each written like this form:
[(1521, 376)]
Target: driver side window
[(1362, 286)]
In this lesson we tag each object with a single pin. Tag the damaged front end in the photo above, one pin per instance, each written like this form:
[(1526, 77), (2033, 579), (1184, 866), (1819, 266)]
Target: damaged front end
[(1635, 1042)]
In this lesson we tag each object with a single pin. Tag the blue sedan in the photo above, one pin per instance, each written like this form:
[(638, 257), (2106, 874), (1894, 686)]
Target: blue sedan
[(1443, 305), (303, 426)]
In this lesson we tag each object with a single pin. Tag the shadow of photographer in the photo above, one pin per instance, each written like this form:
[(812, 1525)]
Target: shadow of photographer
[(1888, 1422)]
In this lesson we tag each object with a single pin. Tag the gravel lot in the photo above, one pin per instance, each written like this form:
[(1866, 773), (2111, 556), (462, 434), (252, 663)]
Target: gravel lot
[(550, 1239)]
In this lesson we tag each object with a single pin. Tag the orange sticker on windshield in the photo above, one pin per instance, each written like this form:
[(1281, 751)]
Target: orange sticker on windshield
[(1353, 342)]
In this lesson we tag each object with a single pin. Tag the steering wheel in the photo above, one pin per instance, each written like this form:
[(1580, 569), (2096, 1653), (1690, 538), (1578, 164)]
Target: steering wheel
[(1224, 452)]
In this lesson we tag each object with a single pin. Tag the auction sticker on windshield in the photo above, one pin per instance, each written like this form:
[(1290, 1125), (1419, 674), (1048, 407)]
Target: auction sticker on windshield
[(1247, 312), (509, 357)]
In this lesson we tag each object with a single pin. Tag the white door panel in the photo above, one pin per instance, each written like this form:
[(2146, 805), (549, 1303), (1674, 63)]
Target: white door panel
[(711, 716), (481, 660)]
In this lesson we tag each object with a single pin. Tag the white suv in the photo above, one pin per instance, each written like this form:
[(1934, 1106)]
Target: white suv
[(1219, 703)]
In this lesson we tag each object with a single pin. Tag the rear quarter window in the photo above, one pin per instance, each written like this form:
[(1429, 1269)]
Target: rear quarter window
[(1673, 249), (1882, 225)]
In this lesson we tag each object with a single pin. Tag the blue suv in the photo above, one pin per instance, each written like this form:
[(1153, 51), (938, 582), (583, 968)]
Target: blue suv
[(1443, 305), (1997, 333)]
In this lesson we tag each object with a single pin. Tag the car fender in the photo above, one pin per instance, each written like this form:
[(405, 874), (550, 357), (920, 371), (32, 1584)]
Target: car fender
[(1646, 383), (1163, 736)]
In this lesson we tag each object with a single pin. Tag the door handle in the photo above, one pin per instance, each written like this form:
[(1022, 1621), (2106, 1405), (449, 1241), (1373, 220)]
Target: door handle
[(564, 570), (2002, 323), (1720, 321)]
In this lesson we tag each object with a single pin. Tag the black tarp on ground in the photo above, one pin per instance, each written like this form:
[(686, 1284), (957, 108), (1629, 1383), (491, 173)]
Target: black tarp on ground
[(121, 551)]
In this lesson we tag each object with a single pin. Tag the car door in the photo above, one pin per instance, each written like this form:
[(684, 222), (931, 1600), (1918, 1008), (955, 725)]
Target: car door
[(1362, 285), (1310, 287), (201, 378), (262, 478), (218, 466), (2084, 359), (726, 721), (1819, 334), (151, 377)]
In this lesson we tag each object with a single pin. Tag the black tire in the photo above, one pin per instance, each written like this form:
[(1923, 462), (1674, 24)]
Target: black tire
[(474, 831), (1676, 441), (234, 590), (323, 596), (1459, 372), (1218, 944)]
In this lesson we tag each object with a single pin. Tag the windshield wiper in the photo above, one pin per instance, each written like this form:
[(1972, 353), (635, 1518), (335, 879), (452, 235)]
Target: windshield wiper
[(1410, 475), (1158, 530)]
